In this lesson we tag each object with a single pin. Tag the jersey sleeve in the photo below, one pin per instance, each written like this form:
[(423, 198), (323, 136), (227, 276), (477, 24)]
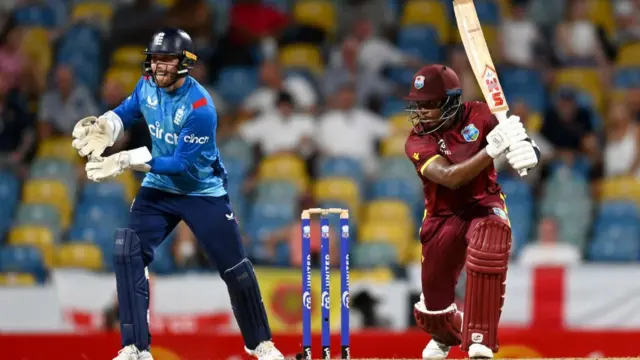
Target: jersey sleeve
[(195, 137), (421, 151), (129, 110)]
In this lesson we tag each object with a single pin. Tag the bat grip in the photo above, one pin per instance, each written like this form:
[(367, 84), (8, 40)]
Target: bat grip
[(502, 116)]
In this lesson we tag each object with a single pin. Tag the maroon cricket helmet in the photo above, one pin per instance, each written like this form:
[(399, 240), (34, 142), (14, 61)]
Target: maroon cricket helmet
[(439, 85)]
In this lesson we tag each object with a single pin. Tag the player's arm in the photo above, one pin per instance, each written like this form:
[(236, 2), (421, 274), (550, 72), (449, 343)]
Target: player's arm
[(440, 171), (196, 134)]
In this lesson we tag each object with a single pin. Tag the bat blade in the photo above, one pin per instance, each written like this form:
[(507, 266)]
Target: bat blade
[(479, 57)]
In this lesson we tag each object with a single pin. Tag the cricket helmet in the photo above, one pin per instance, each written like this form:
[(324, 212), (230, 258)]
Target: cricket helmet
[(173, 42), (434, 87)]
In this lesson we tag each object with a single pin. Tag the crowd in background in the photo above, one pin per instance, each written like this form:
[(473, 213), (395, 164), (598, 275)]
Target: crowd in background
[(308, 95)]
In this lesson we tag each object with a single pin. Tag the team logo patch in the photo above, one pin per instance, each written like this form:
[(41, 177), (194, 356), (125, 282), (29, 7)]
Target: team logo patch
[(470, 133), (419, 82), (500, 212)]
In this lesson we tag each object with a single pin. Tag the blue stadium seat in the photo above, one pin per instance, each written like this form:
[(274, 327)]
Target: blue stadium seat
[(618, 211), (237, 149), (626, 78), (421, 41), (236, 169), (615, 243), (521, 219), (272, 213), (110, 191), (276, 191), (525, 85), (488, 11), (24, 259), (9, 196), (102, 214), (392, 106), (396, 167), (35, 14), (93, 234), (397, 188), (236, 83), (341, 167), (163, 262)]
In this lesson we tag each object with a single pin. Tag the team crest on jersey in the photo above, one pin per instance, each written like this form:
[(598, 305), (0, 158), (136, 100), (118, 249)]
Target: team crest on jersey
[(470, 133), (152, 102), (419, 82), (500, 212)]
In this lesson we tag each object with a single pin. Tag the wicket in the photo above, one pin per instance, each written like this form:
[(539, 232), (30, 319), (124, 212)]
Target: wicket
[(325, 275)]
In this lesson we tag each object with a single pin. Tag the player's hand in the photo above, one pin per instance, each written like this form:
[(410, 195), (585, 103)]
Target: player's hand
[(522, 156), (99, 168), (504, 135), (92, 135)]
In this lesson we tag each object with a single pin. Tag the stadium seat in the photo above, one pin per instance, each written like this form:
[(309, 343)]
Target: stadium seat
[(39, 215), (621, 188), (237, 149), (619, 211), (392, 106), (303, 57), (389, 211), (54, 169), (128, 56), (586, 80), (163, 262), (427, 12), (341, 167), (276, 214), (236, 83), (165, 3), (320, 14), (9, 197), (77, 255), (287, 167), (58, 148), (488, 11), (523, 84), (373, 255), (34, 15), (399, 189), (393, 146), (338, 189), (37, 236), (422, 41), (615, 243), (400, 123), (601, 15), (22, 259), (110, 191), (413, 254), (17, 279), (276, 191), (397, 167), (127, 77), (92, 12), (52, 192), (93, 234), (629, 55), (627, 77), (103, 215), (37, 47), (374, 231)]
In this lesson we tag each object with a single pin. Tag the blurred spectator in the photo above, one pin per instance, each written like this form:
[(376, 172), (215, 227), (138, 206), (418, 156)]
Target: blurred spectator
[(377, 11), (194, 17), (568, 128), (17, 128), (263, 99), (548, 249), (544, 12), (622, 147), (576, 38), (282, 130), (62, 107), (186, 250), (200, 72), (369, 87), (345, 122), (633, 102), (459, 62), (251, 26), (376, 53), (520, 38), (290, 235), (627, 15), (12, 60), (134, 23)]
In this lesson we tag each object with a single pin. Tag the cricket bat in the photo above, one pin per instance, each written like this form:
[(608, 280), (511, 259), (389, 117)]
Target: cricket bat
[(480, 59)]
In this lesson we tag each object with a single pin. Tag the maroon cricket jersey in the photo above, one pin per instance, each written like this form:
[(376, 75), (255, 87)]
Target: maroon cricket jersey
[(457, 144)]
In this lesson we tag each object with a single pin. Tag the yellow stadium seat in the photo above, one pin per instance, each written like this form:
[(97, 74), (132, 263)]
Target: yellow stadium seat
[(629, 55), (51, 192), (621, 188), (127, 77), (399, 236), (534, 123), (601, 14), (128, 56), (36, 44), (427, 12), (165, 3), (288, 167), (401, 124), (388, 211), (340, 189), (587, 80), (393, 145), (413, 255), (58, 148), (92, 11), (84, 256), (304, 57), (377, 275), (320, 14), (37, 236), (17, 279)]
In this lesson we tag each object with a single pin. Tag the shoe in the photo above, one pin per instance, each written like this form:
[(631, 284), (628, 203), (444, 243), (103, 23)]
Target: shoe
[(435, 351), (479, 351), (266, 350)]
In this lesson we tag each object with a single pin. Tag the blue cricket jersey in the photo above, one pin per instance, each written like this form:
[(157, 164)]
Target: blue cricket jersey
[(182, 124)]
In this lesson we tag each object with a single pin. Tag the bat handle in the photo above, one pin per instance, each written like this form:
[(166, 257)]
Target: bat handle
[(502, 116)]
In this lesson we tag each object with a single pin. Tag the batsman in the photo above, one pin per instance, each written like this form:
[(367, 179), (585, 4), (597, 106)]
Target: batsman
[(185, 180), (453, 146)]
